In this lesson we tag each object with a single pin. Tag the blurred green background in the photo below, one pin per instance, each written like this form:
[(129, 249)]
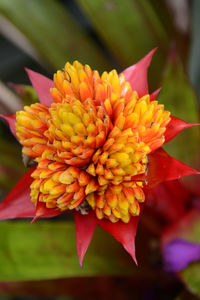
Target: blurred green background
[(42, 35)]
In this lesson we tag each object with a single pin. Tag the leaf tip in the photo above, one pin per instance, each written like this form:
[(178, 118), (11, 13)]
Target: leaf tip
[(34, 219), (155, 94), (131, 251), (149, 56), (85, 226), (80, 258), (29, 72)]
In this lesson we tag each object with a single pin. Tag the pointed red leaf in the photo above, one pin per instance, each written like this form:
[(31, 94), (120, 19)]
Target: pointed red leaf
[(175, 126), (42, 86), (162, 167), (85, 226), (136, 75), (11, 120), (43, 212), (17, 204), (124, 233), (155, 94)]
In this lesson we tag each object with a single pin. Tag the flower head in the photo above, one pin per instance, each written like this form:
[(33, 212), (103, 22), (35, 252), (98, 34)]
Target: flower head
[(90, 143), (96, 143)]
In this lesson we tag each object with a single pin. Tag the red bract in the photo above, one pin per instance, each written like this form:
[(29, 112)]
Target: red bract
[(174, 127), (42, 86), (17, 203), (160, 168)]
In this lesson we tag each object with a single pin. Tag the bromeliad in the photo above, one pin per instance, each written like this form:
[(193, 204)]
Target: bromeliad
[(96, 144)]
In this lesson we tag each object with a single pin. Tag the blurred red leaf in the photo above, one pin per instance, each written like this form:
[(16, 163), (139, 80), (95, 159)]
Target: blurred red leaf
[(17, 204)]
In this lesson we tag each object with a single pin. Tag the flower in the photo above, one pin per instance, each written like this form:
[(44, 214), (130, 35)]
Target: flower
[(96, 141), (179, 253), (179, 238)]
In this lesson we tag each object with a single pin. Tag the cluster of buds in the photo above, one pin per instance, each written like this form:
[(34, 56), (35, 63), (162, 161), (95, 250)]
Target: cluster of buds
[(92, 142)]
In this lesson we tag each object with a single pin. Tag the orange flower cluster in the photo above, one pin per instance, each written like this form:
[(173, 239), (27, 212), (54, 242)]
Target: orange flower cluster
[(91, 142)]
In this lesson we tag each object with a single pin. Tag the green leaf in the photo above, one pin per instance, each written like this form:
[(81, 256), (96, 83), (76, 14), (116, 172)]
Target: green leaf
[(46, 250), (179, 98), (191, 276), (130, 29), (194, 61), (52, 32), (11, 166), (185, 294), (10, 155), (25, 92)]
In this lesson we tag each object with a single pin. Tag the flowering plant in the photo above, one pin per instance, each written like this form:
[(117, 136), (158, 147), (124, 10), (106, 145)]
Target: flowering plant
[(95, 146)]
